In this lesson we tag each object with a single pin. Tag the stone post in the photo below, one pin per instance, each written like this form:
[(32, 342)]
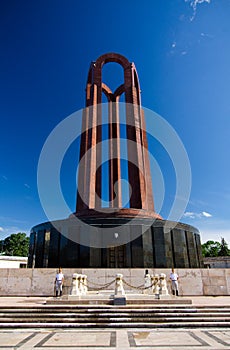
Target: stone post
[(119, 289), (147, 284), (119, 294), (81, 286), (84, 285), (75, 285), (156, 288), (163, 285)]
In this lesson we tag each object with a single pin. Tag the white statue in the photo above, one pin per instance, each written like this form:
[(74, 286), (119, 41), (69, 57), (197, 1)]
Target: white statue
[(119, 289), (163, 285), (75, 284), (155, 283)]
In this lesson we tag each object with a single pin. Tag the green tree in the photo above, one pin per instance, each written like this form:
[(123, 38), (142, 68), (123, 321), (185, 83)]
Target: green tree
[(1, 247), (224, 251), (211, 248), (16, 244)]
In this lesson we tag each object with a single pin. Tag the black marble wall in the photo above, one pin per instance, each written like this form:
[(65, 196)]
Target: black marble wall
[(177, 246)]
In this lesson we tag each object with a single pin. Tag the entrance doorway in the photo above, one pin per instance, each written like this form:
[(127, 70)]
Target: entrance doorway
[(116, 256)]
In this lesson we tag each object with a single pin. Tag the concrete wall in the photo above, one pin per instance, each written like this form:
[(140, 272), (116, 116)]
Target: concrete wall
[(32, 282)]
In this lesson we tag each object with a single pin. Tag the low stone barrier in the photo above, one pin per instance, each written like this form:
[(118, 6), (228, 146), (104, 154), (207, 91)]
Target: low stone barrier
[(40, 282)]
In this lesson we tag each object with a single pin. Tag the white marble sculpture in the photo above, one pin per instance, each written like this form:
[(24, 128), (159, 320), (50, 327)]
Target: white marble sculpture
[(163, 284), (119, 289), (75, 285)]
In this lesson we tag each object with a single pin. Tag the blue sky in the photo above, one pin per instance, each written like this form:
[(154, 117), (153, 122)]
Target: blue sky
[(182, 52)]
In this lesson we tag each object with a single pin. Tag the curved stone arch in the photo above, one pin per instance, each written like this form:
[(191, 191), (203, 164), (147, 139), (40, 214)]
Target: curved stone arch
[(119, 91), (135, 78), (108, 93), (112, 57), (136, 84)]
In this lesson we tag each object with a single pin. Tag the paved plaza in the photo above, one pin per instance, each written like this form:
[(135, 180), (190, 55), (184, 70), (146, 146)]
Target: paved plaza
[(117, 338)]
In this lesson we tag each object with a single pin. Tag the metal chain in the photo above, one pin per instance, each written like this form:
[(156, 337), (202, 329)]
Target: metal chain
[(139, 287), (98, 284), (103, 287)]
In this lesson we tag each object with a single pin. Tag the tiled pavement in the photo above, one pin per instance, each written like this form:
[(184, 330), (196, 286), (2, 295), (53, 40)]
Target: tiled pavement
[(120, 339)]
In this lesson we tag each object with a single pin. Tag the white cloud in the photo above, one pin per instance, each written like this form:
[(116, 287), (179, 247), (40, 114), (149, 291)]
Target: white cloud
[(194, 3), (193, 215), (207, 215), (1, 229), (189, 214)]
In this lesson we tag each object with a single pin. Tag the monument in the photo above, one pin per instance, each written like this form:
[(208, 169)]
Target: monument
[(114, 236)]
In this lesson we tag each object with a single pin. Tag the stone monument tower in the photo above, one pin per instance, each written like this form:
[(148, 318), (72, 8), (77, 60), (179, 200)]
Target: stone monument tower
[(139, 176), (114, 236)]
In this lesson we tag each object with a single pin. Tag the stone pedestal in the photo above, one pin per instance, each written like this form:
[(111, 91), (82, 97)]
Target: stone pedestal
[(79, 285), (75, 285), (147, 285), (163, 285), (119, 289)]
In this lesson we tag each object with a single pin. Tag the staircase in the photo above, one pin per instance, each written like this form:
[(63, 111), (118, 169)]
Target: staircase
[(72, 316)]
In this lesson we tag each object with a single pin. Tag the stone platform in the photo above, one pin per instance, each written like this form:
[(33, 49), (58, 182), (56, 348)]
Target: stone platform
[(108, 299)]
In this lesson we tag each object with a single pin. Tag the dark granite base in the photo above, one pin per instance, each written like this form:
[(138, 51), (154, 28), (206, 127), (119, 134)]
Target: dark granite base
[(115, 243)]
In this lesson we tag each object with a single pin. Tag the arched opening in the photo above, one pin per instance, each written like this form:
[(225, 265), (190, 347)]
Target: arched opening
[(112, 75)]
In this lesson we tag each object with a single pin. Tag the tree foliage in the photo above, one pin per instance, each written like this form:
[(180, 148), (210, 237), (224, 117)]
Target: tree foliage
[(210, 248), (215, 248), (224, 251), (16, 244)]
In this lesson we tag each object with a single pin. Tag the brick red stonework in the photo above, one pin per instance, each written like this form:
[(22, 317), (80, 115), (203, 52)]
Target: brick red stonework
[(139, 176)]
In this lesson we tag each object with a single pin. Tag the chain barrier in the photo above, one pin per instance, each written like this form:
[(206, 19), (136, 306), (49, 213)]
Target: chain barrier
[(98, 284), (103, 286), (139, 287)]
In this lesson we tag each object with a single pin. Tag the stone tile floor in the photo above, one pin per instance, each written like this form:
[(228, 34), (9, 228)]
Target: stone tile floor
[(167, 339)]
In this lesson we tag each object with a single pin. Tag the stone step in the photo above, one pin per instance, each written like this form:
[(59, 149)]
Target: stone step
[(130, 300), (63, 325), (57, 308), (120, 309), (116, 318), (99, 312), (96, 307), (115, 314)]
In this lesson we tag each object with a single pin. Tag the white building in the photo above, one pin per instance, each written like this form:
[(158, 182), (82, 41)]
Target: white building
[(13, 261), (220, 262)]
